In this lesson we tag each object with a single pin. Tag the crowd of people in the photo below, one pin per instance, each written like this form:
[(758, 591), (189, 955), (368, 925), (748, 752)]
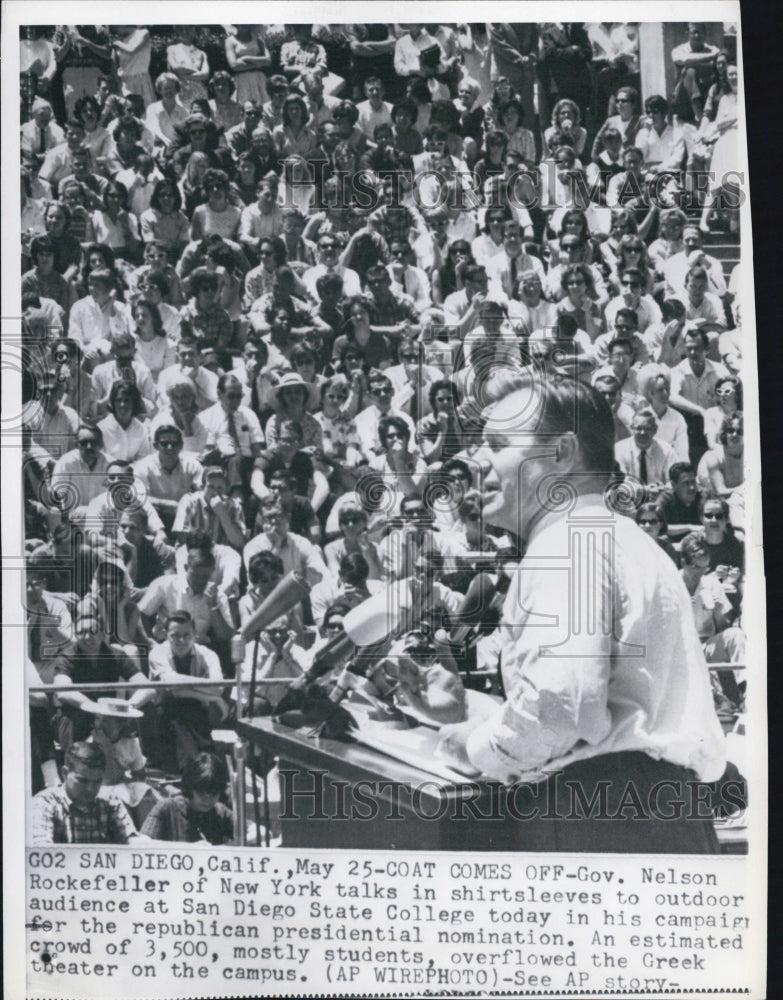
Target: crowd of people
[(261, 302)]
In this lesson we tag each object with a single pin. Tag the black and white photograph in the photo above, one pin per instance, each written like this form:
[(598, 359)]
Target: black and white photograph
[(377, 495)]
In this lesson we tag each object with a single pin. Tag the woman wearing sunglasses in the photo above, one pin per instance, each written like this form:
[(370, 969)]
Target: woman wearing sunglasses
[(728, 392), (721, 471), (653, 523)]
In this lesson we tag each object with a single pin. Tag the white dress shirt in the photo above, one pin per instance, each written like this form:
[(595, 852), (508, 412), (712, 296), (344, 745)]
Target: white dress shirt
[(623, 671), (660, 459)]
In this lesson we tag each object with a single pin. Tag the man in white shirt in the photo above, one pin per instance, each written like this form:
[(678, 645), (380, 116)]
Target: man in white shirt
[(54, 426), (677, 266), (694, 378), (95, 317), (40, 134), (374, 111), (262, 219), (321, 106), (188, 364), (407, 278), (234, 431), (642, 456), (655, 385), (187, 713), (381, 393), (408, 49), (632, 297), (78, 476), (461, 309), (701, 306), (57, 162), (328, 253), (123, 367), (695, 61), (297, 553), (163, 116), (167, 474), (662, 144), (598, 699), (192, 591), (123, 492), (505, 269)]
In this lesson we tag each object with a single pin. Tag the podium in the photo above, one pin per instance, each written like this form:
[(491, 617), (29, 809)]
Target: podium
[(348, 796)]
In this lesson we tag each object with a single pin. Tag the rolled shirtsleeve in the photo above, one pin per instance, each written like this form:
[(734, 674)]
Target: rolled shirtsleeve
[(539, 724), (557, 661)]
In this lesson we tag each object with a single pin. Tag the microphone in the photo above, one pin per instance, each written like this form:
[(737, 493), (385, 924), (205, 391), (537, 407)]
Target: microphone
[(369, 623), (289, 592)]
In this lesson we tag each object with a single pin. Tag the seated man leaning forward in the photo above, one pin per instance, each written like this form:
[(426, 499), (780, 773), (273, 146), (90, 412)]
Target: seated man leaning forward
[(74, 813)]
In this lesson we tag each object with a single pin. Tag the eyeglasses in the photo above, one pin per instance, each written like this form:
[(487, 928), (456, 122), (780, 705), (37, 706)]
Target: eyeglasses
[(327, 246), (631, 284), (88, 443), (409, 356), (713, 516), (381, 392)]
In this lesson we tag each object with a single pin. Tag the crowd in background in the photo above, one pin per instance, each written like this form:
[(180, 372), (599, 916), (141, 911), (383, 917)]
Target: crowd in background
[(263, 285)]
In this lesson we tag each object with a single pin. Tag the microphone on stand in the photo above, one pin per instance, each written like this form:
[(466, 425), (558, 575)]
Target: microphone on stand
[(369, 623)]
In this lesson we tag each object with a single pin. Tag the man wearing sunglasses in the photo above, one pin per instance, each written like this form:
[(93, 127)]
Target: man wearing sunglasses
[(234, 432), (633, 296), (239, 137), (329, 263), (167, 474), (574, 251), (381, 396), (726, 551), (79, 475), (626, 327)]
